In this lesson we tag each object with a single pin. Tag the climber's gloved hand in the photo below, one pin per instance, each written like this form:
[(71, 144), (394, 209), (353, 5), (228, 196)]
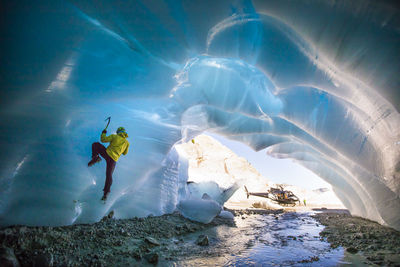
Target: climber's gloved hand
[(104, 131)]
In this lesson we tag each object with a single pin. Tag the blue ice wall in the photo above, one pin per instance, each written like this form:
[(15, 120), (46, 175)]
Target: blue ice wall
[(315, 81)]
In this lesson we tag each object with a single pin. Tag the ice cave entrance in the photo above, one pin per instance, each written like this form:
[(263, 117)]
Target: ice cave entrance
[(214, 158)]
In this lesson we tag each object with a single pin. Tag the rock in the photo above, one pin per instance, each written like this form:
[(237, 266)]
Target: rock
[(352, 250), (383, 252), (358, 236), (393, 259), (40, 243), (136, 254), (312, 259), (202, 240), (123, 232), (23, 230), (43, 260), (371, 236), (101, 233), (8, 231), (7, 257), (151, 257), (118, 242), (151, 241), (206, 196), (226, 215), (188, 227), (110, 215)]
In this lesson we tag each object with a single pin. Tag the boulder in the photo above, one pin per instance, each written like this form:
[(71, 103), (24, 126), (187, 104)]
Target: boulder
[(151, 257), (7, 257), (226, 214), (352, 250), (393, 259), (151, 241), (43, 260), (202, 240)]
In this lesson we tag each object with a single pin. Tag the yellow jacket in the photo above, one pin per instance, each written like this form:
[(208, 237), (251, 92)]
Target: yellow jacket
[(118, 145)]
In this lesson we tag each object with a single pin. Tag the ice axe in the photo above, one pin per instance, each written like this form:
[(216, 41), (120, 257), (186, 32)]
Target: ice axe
[(109, 119)]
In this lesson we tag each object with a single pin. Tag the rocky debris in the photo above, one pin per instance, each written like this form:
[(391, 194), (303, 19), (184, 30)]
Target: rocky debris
[(206, 196), (254, 211), (392, 259), (44, 260), (109, 216), (202, 240), (136, 254), (151, 241), (311, 259), (151, 257), (122, 242), (379, 244), (352, 250), (7, 257)]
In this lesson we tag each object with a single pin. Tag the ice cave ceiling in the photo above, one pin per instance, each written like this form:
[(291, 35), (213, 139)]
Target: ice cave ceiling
[(316, 81)]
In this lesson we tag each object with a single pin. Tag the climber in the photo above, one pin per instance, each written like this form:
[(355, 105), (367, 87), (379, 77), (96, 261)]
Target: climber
[(118, 145)]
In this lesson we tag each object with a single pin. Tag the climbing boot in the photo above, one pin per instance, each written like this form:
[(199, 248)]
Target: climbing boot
[(94, 161), (104, 198)]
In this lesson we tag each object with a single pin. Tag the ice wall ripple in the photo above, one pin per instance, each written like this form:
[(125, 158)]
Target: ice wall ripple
[(253, 71)]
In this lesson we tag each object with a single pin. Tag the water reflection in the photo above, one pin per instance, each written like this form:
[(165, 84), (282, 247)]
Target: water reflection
[(265, 240)]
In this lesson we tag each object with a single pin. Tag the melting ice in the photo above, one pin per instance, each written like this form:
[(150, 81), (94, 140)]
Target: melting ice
[(316, 82)]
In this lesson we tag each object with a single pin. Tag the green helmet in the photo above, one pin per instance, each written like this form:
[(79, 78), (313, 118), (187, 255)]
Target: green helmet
[(121, 130)]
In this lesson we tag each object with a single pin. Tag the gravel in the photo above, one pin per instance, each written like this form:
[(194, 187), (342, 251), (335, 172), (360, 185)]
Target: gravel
[(379, 244)]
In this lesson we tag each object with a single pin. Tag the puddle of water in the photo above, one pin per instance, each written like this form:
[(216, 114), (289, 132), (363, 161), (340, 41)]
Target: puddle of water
[(264, 240)]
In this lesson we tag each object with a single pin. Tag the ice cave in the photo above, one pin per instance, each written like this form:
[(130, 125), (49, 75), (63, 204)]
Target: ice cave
[(313, 81)]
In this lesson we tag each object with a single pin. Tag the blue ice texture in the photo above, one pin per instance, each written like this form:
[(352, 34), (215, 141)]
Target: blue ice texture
[(314, 81)]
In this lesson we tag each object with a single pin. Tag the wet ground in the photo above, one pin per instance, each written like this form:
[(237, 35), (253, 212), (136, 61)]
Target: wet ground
[(377, 244), (253, 238), (287, 239)]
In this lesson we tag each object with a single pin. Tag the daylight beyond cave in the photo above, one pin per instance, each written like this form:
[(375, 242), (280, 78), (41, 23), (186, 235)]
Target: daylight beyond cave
[(314, 81)]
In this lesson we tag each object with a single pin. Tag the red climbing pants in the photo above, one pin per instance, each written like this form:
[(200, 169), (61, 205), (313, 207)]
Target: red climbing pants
[(99, 149)]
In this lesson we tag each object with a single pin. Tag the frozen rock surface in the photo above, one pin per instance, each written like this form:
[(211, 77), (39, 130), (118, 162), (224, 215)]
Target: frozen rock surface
[(315, 81)]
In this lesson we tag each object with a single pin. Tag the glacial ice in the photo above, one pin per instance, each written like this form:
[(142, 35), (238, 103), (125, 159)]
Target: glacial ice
[(226, 214), (213, 190), (314, 81), (199, 209)]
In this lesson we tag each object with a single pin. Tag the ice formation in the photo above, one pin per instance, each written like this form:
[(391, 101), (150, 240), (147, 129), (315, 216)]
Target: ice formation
[(315, 81), (199, 209)]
